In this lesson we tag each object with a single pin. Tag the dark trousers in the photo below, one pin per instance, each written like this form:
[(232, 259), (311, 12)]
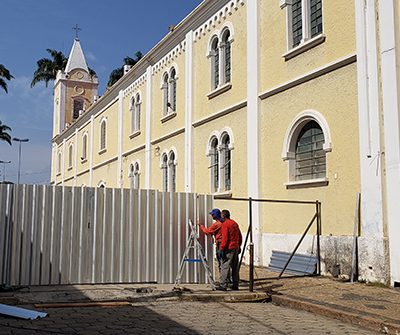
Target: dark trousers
[(230, 263)]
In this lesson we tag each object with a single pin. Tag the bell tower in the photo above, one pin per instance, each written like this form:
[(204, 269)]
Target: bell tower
[(75, 89)]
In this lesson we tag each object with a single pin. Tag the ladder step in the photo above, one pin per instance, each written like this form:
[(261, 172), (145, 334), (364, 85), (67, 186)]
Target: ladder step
[(193, 260)]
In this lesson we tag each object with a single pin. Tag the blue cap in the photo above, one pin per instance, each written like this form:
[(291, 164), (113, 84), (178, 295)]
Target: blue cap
[(216, 213)]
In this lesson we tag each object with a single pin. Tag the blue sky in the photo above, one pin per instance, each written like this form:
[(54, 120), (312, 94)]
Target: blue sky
[(111, 30)]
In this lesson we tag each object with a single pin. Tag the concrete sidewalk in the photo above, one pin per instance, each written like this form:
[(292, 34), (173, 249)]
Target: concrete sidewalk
[(371, 307)]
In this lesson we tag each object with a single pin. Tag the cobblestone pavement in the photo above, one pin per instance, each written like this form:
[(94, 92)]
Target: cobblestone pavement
[(175, 317)]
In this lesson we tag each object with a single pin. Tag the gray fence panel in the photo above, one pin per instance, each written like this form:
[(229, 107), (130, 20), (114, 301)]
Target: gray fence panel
[(62, 235)]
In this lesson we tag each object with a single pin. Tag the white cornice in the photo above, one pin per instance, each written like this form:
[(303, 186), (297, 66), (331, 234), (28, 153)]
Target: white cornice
[(196, 19)]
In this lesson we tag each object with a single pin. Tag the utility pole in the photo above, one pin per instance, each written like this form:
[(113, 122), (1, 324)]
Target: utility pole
[(19, 155)]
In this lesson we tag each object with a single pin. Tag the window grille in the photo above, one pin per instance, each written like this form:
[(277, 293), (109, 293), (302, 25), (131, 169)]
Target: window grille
[(164, 168), (226, 154), (136, 177), (172, 83), (297, 23), (227, 58), (133, 115), (172, 172), (137, 115), (310, 155), (70, 156), (215, 63), (103, 130), (214, 165), (84, 147), (165, 89), (316, 17)]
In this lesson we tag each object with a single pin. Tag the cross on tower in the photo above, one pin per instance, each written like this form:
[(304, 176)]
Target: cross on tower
[(77, 30)]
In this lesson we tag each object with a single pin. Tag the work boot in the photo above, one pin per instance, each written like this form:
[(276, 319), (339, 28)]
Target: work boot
[(220, 288)]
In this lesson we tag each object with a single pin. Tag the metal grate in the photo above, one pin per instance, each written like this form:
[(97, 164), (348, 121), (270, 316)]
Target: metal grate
[(310, 155), (227, 61), (316, 17), (297, 23)]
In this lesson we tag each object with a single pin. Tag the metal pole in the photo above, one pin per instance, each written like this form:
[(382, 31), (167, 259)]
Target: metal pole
[(244, 247), (251, 247), (19, 162), (318, 208)]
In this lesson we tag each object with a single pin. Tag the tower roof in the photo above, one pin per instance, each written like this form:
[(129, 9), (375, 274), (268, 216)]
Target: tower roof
[(76, 58)]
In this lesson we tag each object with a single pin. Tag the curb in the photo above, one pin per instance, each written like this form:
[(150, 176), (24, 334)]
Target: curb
[(352, 318)]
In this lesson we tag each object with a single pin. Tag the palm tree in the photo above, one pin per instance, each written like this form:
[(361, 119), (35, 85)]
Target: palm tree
[(47, 68), (4, 136), (4, 73), (119, 72)]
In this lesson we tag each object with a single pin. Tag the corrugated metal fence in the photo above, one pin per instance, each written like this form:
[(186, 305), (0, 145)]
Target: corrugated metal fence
[(65, 235)]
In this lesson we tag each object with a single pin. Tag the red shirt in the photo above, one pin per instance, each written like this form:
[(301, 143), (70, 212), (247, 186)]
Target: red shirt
[(214, 229), (231, 235)]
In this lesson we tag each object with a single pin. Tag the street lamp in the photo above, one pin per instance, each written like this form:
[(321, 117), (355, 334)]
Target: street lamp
[(4, 168), (19, 155)]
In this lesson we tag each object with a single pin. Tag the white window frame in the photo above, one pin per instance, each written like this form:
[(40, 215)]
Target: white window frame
[(214, 163), (224, 164), (212, 55), (136, 105), (307, 41), (290, 141), (172, 171), (164, 172), (165, 93), (103, 144)]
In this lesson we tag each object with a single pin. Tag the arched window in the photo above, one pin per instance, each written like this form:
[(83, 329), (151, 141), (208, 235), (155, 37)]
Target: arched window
[(310, 154), (226, 163), (165, 89), (133, 115), (164, 168), (78, 106), (305, 146), (84, 147), (70, 154), (214, 164), (137, 113), (226, 54), (172, 91), (59, 162), (172, 172), (103, 134), (134, 175), (214, 57)]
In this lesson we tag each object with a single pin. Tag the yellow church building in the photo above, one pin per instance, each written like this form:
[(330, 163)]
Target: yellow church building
[(276, 99)]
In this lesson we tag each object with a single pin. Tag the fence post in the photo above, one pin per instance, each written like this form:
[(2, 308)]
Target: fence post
[(318, 212), (251, 247)]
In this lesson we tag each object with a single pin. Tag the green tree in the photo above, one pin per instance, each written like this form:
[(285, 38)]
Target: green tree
[(118, 73), (47, 68), (4, 75), (4, 135)]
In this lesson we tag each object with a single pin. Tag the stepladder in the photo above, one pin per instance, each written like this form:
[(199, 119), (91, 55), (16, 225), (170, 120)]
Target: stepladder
[(193, 243)]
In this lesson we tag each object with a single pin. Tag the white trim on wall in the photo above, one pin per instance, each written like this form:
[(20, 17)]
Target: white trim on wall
[(91, 151), (390, 89), (76, 155), (148, 129), (253, 111), (120, 137), (188, 111)]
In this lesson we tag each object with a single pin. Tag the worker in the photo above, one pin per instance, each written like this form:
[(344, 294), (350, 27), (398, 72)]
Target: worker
[(228, 251), (215, 231)]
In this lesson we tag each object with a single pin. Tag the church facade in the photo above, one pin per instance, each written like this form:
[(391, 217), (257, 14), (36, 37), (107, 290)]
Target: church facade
[(282, 99)]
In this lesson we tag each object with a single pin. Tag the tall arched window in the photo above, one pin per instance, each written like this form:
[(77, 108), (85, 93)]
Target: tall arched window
[(164, 168), (226, 162), (134, 175), (172, 90), (214, 164), (59, 158), (226, 52), (165, 89), (70, 155), (214, 57), (78, 106), (133, 115), (172, 172), (84, 147), (137, 113), (310, 154), (103, 134)]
